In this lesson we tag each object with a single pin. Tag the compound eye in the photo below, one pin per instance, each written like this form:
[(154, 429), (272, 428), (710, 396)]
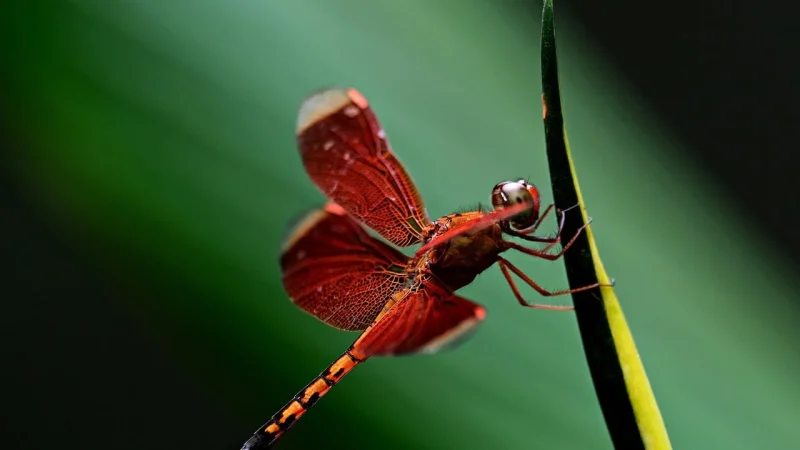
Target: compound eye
[(516, 193), (509, 193)]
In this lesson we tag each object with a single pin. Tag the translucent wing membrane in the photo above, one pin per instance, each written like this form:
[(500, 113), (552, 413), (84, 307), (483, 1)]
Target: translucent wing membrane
[(334, 270), (426, 320), (346, 154)]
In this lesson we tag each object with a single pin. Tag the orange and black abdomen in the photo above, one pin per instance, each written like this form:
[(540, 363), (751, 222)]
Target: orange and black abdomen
[(305, 399)]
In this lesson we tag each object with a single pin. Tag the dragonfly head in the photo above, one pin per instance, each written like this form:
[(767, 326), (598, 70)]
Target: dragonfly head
[(510, 193)]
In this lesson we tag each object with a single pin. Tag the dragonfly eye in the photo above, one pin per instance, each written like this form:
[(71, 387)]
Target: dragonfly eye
[(510, 193)]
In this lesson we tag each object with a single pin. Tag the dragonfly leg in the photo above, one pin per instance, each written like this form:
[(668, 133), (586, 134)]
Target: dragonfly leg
[(536, 225), (543, 253), (552, 240), (507, 267), (525, 234)]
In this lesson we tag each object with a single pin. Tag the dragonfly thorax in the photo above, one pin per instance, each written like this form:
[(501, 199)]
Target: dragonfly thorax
[(459, 260)]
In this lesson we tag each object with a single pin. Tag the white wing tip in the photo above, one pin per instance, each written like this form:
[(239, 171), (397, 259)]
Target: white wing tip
[(453, 337), (325, 102)]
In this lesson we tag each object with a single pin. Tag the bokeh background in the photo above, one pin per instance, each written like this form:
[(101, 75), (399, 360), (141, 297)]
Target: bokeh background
[(152, 169)]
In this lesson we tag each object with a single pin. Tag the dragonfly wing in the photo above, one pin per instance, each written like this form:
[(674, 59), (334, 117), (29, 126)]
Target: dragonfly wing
[(421, 321), (334, 270), (345, 152)]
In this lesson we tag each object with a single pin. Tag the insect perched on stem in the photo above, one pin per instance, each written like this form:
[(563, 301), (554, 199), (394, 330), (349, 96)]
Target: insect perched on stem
[(334, 270)]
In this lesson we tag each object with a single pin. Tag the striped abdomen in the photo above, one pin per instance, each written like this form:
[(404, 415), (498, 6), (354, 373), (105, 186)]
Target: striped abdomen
[(305, 399)]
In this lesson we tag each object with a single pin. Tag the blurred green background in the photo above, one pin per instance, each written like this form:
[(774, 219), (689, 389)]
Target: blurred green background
[(159, 141)]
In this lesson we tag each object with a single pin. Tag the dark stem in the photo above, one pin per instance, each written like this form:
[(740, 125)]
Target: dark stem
[(601, 354)]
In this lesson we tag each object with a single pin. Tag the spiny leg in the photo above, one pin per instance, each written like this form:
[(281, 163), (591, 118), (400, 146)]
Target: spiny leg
[(503, 262), (553, 240), (536, 225), (506, 265), (543, 253), (281, 421)]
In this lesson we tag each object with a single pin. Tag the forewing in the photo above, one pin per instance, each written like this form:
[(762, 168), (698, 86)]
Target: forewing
[(423, 321), (334, 270), (346, 154)]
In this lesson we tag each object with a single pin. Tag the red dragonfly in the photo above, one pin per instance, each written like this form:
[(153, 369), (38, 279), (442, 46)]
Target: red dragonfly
[(336, 271)]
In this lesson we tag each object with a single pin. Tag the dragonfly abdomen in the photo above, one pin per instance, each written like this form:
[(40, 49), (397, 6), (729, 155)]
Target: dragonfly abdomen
[(305, 399)]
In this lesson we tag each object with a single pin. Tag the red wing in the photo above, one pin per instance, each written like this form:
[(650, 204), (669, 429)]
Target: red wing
[(334, 270), (425, 321), (346, 154)]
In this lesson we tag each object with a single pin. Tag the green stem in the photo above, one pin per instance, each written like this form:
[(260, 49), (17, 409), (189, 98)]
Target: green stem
[(623, 390)]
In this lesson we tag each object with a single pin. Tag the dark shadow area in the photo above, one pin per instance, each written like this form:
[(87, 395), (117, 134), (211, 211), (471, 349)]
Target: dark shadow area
[(720, 75), (77, 368)]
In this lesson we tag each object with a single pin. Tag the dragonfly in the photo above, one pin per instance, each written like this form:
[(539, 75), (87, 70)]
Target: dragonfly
[(335, 270)]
